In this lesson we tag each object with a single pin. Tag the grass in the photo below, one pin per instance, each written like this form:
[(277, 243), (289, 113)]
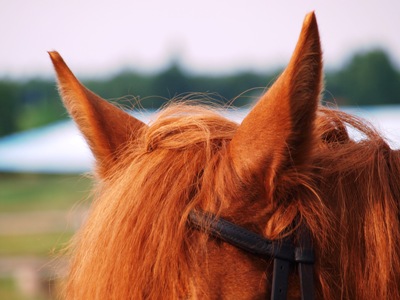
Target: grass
[(9, 291), (45, 244), (30, 192), (41, 192)]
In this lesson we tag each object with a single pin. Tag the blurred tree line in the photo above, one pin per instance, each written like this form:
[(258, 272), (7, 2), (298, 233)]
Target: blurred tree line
[(366, 79)]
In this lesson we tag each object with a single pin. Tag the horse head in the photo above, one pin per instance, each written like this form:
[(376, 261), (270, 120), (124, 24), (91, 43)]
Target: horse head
[(289, 165)]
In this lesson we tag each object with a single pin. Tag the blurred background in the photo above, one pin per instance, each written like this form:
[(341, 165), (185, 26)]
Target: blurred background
[(140, 54)]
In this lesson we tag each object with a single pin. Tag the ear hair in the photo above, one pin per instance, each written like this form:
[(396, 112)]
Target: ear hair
[(105, 127), (278, 131)]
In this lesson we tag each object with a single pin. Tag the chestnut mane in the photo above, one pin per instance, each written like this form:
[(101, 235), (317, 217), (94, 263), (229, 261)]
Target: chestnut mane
[(359, 183), (169, 172), (290, 160)]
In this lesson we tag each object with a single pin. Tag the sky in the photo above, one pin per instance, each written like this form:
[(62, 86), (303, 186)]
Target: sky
[(98, 38)]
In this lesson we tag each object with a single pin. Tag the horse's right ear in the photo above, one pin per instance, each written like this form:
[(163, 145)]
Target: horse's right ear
[(277, 135), (106, 128)]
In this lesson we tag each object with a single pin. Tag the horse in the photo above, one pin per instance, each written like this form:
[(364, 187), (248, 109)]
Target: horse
[(289, 175)]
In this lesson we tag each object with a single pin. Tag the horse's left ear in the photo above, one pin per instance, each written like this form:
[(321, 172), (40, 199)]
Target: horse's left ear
[(278, 132), (106, 128)]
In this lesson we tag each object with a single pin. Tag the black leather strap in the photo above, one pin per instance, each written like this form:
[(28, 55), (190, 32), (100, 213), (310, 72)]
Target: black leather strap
[(248, 240), (306, 271), (283, 252), (280, 279), (306, 274)]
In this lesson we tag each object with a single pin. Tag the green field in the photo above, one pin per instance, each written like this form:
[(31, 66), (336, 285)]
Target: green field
[(9, 291), (42, 192), (20, 195), (42, 244)]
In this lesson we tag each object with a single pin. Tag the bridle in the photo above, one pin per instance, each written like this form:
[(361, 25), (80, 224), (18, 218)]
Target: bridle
[(284, 252)]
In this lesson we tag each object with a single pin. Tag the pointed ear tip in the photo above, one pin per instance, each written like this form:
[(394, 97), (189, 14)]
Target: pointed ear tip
[(54, 56), (61, 68), (310, 19)]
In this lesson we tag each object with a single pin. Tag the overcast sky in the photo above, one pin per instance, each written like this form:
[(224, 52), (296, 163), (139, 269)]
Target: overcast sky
[(100, 37)]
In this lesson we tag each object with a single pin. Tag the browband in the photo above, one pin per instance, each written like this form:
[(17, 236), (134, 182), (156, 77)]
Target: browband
[(283, 252)]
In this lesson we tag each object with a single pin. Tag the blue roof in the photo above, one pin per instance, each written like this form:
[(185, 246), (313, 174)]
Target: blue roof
[(57, 148)]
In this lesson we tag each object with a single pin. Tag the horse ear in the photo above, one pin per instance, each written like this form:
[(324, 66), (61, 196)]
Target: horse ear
[(106, 128), (278, 131)]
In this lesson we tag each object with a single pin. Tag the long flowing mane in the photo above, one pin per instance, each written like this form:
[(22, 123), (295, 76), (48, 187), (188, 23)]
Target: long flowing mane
[(290, 164), (159, 182), (361, 188), (147, 230)]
